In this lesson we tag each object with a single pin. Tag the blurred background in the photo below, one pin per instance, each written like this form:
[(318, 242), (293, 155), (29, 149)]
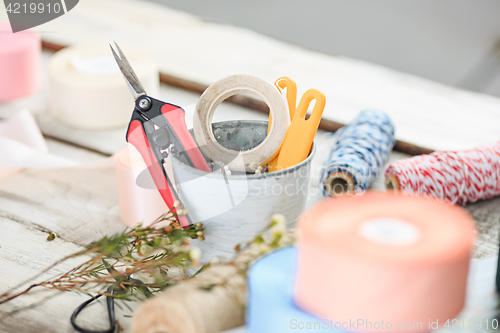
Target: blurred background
[(456, 42)]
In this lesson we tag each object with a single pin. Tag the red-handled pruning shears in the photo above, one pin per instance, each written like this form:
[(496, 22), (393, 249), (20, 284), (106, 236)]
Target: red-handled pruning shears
[(158, 129)]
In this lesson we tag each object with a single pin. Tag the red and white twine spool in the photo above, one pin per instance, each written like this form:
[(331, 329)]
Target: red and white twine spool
[(454, 176)]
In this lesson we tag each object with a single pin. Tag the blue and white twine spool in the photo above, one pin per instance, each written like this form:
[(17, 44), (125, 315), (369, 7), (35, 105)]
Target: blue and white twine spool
[(361, 149)]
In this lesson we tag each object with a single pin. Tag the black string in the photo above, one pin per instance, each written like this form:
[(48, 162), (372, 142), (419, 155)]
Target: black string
[(111, 313)]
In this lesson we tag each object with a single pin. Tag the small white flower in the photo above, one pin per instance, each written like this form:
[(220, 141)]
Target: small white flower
[(195, 254), (146, 250), (176, 204), (278, 225), (215, 260), (261, 248)]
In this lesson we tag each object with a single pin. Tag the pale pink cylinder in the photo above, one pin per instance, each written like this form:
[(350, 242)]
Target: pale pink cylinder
[(20, 55), (349, 272), (138, 203)]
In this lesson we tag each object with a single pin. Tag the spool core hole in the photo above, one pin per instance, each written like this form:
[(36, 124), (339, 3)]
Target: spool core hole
[(339, 186), (389, 231), (391, 183)]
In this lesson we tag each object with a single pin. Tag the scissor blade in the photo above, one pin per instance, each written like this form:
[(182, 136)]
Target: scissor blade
[(127, 64), (133, 82)]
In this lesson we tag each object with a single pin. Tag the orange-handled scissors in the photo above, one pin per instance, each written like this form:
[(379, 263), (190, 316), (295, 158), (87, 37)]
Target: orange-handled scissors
[(300, 136), (291, 95)]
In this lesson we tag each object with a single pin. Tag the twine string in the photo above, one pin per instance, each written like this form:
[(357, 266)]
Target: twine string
[(454, 176), (361, 149)]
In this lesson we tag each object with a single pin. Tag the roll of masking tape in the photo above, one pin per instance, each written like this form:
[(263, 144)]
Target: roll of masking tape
[(398, 260), (267, 150), (87, 89), (20, 56), (138, 198)]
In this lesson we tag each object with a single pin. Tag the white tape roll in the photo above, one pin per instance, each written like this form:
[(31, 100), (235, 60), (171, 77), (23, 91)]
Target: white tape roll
[(87, 89), (248, 160)]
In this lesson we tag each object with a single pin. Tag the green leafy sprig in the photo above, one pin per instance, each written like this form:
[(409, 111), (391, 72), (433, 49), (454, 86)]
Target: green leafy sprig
[(134, 264)]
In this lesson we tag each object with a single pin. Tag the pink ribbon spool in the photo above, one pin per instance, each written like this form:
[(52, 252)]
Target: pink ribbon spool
[(386, 262), (137, 203), (20, 56)]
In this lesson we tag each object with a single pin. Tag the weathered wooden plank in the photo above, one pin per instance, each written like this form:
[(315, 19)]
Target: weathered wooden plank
[(486, 213), (80, 204), (73, 152), (24, 253)]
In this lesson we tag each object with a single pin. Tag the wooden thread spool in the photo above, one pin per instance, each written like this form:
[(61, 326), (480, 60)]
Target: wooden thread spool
[(342, 181), (392, 183)]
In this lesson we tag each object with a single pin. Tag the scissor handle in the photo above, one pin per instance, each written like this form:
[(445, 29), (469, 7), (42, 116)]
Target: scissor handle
[(291, 92), (300, 135), (291, 96), (308, 127), (317, 112), (137, 137), (175, 116)]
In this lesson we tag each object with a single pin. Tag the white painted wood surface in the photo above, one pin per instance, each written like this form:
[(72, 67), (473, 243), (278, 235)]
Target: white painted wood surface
[(24, 253), (425, 113), (80, 203)]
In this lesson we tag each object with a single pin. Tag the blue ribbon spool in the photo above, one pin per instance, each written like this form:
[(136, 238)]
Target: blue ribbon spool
[(271, 307)]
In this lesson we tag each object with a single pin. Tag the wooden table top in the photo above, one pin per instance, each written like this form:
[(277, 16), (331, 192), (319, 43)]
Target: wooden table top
[(80, 203)]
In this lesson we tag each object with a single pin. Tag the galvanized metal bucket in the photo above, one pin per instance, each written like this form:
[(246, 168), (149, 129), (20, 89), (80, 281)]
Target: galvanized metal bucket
[(235, 208)]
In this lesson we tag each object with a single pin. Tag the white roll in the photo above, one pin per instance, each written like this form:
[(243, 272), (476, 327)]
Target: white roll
[(248, 160), (87, 89), (139, 200)]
